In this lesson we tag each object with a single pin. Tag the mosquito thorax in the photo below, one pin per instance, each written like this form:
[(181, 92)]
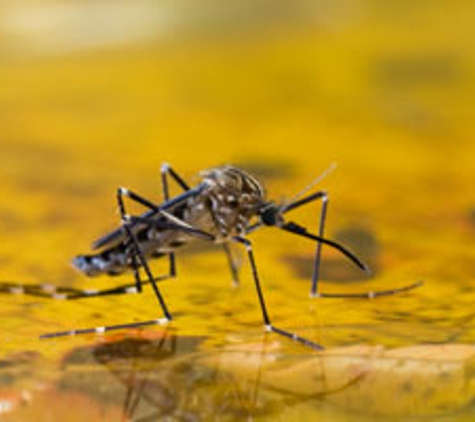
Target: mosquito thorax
[(232, 197)]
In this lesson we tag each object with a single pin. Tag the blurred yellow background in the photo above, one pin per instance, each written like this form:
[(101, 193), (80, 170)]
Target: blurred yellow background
[(96, 94)]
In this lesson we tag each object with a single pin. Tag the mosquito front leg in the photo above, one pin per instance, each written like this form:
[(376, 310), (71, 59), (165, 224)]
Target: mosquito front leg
[(323, 196), (303, 232), (265, 314)]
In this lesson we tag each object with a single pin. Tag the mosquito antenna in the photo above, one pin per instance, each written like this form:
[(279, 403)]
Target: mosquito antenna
[(314, 182)]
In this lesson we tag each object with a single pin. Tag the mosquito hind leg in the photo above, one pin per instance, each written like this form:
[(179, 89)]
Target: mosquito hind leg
[(140, 258), (265, 314), (167, 170)]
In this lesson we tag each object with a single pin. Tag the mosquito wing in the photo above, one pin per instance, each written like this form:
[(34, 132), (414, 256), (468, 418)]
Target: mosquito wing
[(117, 236), (110, 239)]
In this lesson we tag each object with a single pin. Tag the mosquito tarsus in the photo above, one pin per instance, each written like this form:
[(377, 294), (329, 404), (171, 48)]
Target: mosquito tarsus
[(224, 208)]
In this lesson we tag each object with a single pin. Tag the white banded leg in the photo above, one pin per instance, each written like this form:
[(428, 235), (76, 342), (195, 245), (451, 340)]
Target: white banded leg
[(323, 196), (265, 315)]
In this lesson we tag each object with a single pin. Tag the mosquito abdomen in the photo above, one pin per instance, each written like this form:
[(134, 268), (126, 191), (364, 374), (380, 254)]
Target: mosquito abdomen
[(109, 262)]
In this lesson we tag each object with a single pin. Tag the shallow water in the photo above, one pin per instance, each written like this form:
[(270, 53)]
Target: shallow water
[(392, 107)]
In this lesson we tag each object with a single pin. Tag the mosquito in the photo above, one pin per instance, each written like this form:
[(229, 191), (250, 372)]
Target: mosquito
[(224, 208)]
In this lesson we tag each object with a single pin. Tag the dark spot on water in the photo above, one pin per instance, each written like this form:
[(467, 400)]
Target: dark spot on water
[(135, 364), (445, 376), (359, 240), (338, 268), (96, 382), (80, 356), (7, 379), (407, 387), (471, 216), (429, 393), (17, 367), (267, 169), (410, 70), (332, 269), (130, 348)]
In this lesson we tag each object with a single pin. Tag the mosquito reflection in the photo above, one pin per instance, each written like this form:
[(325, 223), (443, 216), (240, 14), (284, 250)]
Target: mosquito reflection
[(169, 377)]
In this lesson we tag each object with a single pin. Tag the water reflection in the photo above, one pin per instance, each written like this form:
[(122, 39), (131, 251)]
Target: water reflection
[(169, 378), (163, 377), (135, 363)]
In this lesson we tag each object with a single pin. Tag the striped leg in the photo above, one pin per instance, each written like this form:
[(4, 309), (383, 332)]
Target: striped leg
[(323, 196), (303, 232), (139, 261), (265, 315), (138, 258), (166, 171)]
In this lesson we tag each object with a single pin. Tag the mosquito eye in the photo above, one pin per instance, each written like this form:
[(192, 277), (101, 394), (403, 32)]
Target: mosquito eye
[(269, 217)]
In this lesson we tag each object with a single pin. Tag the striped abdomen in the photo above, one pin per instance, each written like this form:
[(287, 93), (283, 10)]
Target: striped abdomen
[(111, 261), (117, 259)]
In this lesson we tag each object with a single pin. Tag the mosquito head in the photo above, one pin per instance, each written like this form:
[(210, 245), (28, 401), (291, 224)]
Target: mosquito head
[(270, 214)]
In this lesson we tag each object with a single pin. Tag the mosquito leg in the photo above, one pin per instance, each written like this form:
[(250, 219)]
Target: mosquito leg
[(46, 290), (136, 270), (68, 293), (126, 219), (39, 290), (232, 264), (130, 288), (302, 231), (102, 330), (372, 294), (141, 261), (166, 196), (318, 251), (131, 248), (323, 196), (166, 170), (140, 258), (265, 315)]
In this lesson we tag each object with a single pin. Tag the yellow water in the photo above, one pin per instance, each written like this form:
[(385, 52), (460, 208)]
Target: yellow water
[(383, 91)]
